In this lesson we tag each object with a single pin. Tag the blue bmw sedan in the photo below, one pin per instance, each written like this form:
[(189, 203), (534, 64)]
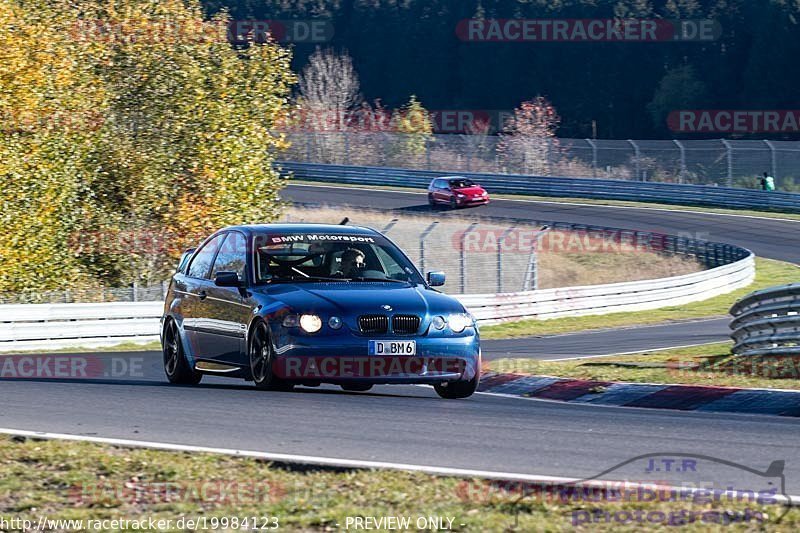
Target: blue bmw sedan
[(305, 304)]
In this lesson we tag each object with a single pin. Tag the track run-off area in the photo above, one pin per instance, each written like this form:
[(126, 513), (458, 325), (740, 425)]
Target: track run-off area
[(410, 425)]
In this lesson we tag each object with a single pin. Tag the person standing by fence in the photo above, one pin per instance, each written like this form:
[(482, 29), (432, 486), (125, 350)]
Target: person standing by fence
[(767, 182)]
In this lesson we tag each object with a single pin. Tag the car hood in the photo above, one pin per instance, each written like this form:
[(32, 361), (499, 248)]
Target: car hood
[(475, 189), (356, 298)]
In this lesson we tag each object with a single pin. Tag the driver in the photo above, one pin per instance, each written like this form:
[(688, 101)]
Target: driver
[(352, 263)]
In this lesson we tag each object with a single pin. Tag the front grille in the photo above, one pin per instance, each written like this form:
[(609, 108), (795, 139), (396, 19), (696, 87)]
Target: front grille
[(405, 324), (373, 323)]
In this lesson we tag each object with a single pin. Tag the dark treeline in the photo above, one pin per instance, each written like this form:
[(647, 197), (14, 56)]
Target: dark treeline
[(404, 47)]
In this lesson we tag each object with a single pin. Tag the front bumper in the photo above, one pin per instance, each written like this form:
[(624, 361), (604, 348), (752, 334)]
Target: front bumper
[(346, 360), (473, 201)]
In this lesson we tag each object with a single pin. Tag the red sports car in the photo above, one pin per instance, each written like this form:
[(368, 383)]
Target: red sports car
[(456, 191)]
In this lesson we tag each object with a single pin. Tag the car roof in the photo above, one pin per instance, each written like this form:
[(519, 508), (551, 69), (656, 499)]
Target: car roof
[(301, 228)]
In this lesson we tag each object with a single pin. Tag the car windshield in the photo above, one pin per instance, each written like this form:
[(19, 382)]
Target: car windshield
[(304, 257), (461, 183)]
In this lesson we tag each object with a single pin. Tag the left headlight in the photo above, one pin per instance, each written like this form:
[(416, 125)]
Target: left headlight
[(459, 322), (310, 323)]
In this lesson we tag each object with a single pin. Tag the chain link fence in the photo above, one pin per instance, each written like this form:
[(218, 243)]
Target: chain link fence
[(487, 258), (698, 162), (132, 293)]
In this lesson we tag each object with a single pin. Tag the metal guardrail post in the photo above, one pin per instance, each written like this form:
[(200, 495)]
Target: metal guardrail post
[(422, 237), (500, 242), (389, 226), (428, 153), (531, 281), (773, 159), (463, 256), (637, 159), (729, 148), (682, 160), (707, 255), (593, 144)]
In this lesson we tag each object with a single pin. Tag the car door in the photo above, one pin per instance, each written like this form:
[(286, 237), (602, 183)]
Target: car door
[(225, 314), (196, 290), (442, 192)]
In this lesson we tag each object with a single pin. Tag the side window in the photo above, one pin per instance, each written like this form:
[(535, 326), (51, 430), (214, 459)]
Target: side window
[(393, 270), (232, 256), (202, 261)]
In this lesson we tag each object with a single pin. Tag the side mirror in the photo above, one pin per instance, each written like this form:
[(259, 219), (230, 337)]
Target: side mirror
[(436, 278), (227, 279)]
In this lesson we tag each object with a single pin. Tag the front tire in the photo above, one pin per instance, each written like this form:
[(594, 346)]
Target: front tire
[(456, 390), (176, 367), (262, 358), (431, 201)]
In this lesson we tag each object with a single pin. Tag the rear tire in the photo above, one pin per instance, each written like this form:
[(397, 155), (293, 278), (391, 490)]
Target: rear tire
[(453, 203), (262, 357), (176, 367), (456, 390), (356, 387)]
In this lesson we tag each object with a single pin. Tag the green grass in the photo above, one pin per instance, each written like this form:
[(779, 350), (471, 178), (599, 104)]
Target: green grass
[(596, 201), (73, 480), (709, 364), (768, 273), (124, 347)]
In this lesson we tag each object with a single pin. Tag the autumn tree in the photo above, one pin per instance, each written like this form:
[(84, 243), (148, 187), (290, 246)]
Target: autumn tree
[(153, 126), (528, 143), (415, 126)]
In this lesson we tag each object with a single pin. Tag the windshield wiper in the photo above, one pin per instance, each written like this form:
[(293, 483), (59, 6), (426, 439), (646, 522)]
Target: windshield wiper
[(391, 280), (295, 279)]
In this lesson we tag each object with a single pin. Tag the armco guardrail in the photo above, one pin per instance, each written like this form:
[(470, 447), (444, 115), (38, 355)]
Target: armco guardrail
[(767, 322), (668, 193), (47, 326), (612, 298)]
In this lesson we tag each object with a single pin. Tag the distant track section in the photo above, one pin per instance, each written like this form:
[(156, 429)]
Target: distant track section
[(639, 191)]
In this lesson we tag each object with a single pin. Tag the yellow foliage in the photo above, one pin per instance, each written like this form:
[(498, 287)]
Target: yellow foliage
[(123, 117)]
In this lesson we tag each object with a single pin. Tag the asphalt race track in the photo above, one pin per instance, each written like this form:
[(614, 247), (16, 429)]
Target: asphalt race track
[(409, 424), (398, 424), (610, 341), (772, 238)]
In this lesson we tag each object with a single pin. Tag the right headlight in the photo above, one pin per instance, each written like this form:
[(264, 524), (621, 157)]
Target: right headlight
[(459, 322)]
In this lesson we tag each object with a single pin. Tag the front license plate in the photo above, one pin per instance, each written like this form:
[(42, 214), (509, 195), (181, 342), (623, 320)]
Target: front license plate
[(392, 347)]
